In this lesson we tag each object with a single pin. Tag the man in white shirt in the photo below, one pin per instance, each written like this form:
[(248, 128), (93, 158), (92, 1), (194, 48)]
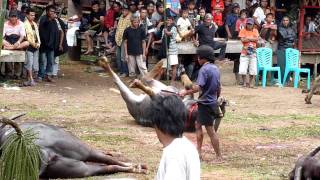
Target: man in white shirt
[(180, 159)]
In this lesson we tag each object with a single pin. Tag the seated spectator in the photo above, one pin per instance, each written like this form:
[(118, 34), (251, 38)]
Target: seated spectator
[(206, 32), (217, 9), (32, 54), (135, 47), (95, 19), (260, 12), (184, 27), (13, 39), (140, 5), (192, 13), (180, 159), (268, 31), (281, 9), (200, 17), (172, 59), (251, 6), (286, 39), (231, 22), (242, 20), (309, 27), (109, 20), (157, 20), (248, 61)]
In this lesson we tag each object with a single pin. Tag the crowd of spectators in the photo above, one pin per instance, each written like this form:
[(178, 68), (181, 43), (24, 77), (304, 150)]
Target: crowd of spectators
[(136, 29), (43, 41)]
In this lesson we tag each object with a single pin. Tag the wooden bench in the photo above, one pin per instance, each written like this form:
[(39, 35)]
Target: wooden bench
[(12, 56), (233, 46)]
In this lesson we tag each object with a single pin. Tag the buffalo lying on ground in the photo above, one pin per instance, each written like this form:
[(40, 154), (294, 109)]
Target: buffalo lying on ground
[(65, 156), (138, 104), (307, 167)]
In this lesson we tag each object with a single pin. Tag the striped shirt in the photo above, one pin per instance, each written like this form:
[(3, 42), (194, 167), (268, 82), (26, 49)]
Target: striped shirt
[(172, 49)]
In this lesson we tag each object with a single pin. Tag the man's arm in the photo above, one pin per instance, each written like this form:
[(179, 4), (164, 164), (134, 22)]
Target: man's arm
[(144, 49), (126, 48), (195, 88), (61, 40)]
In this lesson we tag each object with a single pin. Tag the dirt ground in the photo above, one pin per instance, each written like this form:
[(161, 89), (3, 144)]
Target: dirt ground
[(262, 135)]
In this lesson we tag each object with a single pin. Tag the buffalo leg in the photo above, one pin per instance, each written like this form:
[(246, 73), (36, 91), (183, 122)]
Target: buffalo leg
[(99, 157), (69, 168), (316, 85)]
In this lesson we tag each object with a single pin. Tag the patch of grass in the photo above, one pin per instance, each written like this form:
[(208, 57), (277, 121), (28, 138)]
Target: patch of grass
[(108, 139)]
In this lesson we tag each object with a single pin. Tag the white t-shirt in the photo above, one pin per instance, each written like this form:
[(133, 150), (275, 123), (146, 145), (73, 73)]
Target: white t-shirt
[(259, 14), (183, 24), (179, 161)]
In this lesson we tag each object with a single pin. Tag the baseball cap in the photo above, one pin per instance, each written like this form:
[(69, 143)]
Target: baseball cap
[(206, 52), (250, 21), (235, 5)]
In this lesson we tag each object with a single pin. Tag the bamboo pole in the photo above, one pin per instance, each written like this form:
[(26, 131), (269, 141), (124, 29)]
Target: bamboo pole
[(3, 11)]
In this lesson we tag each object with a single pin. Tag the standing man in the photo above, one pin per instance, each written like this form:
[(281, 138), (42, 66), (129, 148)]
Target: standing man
[(208, 83), (180, 160), (49, 37), (135, 47), (205, 34), (32, 54)]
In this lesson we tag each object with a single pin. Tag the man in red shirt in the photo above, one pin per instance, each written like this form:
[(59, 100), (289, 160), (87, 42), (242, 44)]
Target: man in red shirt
[(110, 20)]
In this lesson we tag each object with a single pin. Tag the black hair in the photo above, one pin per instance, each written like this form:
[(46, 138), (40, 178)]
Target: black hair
[(29, 10), (244, 11), (143, 8), (117, 3), (168, 113), (158, 4), (50, 7), (95, 2), (150, 2), (270, 14), (192, 2)]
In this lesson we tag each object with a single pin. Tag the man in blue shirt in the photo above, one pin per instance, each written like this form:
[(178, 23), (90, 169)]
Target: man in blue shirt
[(208, 83)]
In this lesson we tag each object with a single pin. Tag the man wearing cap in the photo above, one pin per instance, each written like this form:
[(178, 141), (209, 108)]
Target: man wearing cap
[(248, 61), (205, 34), (13, 39), (208, 83)]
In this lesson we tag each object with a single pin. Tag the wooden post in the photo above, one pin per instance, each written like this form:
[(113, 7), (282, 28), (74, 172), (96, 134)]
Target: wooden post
[(3, 11)]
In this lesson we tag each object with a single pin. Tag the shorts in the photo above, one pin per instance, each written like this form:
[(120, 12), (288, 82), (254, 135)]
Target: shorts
[(32, 61), (173, 60), (92, 33), (248, 63), (207, 114)]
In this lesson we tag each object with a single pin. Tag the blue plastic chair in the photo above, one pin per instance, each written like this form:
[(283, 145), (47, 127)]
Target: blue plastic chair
[(292, 65), (264, 64)]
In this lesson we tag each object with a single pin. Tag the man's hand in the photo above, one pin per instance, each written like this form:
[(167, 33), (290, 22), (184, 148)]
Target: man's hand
[(144, 57), (127, 57), (196, 43), (182, 93), (229, 36), (60, 47)]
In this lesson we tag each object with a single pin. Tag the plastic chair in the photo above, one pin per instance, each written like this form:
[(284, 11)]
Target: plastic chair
[(292, 65), (264, 64)]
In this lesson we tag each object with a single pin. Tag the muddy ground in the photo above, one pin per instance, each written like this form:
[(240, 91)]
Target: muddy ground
[(263, 133)]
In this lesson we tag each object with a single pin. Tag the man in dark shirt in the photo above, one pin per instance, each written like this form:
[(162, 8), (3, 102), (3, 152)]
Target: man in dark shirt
[(205, 34), (135, 47), (208, 83), (96, 18), (49, 37)]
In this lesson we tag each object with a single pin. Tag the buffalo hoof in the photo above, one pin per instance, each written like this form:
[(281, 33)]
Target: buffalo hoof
[(307, 100)]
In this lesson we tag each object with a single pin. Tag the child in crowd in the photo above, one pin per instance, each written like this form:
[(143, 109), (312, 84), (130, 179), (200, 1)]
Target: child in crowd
[(172, 59), (241, 22), (268, 31), (184, 27), (217, 7), (135, 46), (231, 22), (248, 60), (192, 12), (200, 16)]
